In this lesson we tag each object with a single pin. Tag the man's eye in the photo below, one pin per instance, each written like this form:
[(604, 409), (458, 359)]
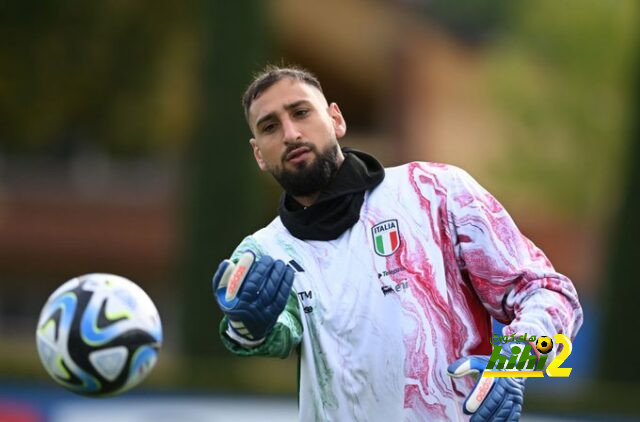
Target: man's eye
[(269, 128), (301, 112)]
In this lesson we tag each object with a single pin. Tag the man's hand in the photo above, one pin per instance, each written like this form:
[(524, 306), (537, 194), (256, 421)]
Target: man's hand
[(492, 399), (252, 293)]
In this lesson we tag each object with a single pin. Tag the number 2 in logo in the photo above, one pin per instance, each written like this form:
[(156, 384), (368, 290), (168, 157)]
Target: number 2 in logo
[(554, 370)]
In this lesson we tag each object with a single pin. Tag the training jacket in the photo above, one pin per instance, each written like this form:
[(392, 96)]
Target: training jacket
[(379, 313)]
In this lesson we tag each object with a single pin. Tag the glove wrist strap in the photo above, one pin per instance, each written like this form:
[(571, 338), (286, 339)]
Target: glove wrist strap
[(242, 341)]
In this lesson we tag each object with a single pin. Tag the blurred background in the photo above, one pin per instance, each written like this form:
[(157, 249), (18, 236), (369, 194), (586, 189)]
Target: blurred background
[(123, 149)]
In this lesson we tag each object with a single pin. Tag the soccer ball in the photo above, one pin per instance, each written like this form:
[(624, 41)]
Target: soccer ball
[(544, 344), (98, 335)]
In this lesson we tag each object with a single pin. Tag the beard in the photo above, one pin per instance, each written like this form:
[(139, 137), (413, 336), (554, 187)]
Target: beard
[(308, 179)]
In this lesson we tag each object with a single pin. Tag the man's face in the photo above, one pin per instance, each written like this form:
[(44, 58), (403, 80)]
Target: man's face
[(296, 135)]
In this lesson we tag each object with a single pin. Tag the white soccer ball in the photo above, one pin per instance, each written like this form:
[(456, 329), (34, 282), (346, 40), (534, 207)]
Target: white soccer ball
[(99, 334)]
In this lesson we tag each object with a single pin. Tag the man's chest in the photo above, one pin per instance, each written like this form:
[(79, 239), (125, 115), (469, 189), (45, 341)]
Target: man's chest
[(383, 261)]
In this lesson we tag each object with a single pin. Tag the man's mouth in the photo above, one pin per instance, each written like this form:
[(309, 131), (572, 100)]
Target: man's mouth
[(298, 155)]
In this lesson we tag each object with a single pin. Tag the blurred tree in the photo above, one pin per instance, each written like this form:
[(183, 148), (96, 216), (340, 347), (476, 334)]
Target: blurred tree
[(223, 202), (473, 22), (559, 78), (114, 74), (621, 286)]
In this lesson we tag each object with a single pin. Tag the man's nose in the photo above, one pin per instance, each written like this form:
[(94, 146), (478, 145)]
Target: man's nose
[(291, 132)]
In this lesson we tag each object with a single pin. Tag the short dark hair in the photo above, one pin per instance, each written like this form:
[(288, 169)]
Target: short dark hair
[(269, 76)]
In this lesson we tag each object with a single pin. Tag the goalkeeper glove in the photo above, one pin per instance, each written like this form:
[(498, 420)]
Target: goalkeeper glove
[(252, 293), (492, 399)]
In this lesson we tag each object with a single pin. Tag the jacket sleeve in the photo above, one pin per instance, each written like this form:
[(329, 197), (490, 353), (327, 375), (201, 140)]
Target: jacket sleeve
[(281, 341), (287, 332), (512, 277)]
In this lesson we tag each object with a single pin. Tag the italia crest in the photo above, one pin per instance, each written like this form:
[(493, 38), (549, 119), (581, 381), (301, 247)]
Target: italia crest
[(386, 237)]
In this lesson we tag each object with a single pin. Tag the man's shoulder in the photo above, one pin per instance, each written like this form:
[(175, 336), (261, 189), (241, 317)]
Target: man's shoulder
[(259, 242), (268, 231), (422, 179), (421, 171)]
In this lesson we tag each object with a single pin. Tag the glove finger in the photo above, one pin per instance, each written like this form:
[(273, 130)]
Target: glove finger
[(472, 365), (220, 283), (238, 275), (220, 279), (272, 284), (276, 278), (495, 407), (503, 401), (288, 279), (284, 287), (478, 396), (515, 413), (514, 389), (259, 274), (467, 365)]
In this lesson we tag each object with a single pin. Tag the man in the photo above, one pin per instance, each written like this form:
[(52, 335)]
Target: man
[(380, 278)]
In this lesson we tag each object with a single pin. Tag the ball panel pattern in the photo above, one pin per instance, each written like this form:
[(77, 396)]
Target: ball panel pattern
[(99, 335)]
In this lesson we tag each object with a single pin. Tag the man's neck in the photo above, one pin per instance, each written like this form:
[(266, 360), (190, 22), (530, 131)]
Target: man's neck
[(307, 201)]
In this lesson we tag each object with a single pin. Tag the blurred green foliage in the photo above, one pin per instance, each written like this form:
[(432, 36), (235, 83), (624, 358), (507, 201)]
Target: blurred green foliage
[(112, 73), (475, 22), (621, 288), (222, 197), (559, 76)]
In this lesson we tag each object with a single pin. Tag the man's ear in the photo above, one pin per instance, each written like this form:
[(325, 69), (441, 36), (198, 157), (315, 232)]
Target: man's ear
[(339, 124), (257, 154)]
